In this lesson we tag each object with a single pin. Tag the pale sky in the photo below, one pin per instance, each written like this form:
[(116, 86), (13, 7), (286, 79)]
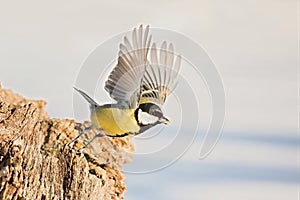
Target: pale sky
[(253, 45)]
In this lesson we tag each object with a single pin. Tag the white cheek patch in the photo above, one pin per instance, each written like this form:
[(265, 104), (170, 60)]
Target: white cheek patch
[(146, 118)]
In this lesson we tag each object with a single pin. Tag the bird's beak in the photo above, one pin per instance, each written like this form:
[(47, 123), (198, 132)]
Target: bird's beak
[(164, 120)]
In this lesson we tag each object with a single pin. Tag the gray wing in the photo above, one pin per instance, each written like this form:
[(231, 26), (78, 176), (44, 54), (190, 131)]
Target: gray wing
[(124, 82), (161, 74)]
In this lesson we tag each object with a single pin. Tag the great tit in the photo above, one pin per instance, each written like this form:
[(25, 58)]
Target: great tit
[(140, 83)]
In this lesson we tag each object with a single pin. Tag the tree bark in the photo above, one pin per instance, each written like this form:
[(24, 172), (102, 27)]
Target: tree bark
[(36, 162)]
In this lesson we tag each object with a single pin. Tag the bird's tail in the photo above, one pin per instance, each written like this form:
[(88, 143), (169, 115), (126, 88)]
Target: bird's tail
[(87, 97)]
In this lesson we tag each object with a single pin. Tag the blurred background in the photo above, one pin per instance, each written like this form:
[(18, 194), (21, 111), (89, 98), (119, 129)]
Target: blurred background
[(254, 46)]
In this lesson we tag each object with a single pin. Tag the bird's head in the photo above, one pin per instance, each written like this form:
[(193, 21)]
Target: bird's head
[(149, 113)]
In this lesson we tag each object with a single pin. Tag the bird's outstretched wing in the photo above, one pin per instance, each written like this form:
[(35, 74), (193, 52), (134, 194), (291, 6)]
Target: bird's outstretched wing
[(124, 82), (161, 74)]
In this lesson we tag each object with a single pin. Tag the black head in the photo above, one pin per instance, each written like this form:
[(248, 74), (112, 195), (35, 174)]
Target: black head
[(149, 113)]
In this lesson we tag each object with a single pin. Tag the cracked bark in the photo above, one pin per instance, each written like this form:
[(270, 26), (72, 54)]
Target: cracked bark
[(36, 163)]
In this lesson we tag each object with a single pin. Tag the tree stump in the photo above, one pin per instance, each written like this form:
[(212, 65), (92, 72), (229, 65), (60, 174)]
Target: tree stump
[(36, 162)]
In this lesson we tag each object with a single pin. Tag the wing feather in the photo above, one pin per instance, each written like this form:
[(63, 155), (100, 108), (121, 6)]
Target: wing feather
[(124, 82), (161, 74)]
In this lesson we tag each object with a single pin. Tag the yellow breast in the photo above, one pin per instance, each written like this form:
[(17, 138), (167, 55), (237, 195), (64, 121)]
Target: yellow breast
[(115, 121)]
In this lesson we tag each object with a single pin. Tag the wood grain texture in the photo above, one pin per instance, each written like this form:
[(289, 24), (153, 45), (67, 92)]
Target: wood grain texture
[(36, 162)]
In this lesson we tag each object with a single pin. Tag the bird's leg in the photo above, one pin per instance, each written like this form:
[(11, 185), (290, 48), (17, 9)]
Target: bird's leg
[(99, 134), (82, 132)]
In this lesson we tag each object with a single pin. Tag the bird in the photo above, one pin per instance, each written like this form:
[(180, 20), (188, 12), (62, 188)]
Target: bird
[(139, 83)]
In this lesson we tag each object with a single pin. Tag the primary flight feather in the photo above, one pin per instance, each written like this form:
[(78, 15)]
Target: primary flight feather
[(140, 83)]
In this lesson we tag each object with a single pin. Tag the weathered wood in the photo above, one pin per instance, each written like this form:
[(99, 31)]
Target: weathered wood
[(36, 162)]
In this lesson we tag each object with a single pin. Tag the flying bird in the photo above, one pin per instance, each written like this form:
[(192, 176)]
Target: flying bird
[(140, 83)]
